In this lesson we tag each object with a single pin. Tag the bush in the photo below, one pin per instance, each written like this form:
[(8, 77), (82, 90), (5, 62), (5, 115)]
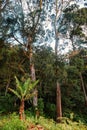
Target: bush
[(40, 105), (51, 110), (14, 124), (7, 103)]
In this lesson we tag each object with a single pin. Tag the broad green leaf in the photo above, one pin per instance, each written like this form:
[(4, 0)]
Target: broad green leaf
[(19, 86), (35, 83), (23, 91), (27, 82), (26, 87), (15, 92)]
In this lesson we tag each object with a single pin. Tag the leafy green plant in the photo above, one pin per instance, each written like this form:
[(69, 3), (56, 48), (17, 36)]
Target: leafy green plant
[(24, 92), (40, 105), (7, 103), (51, 109), (14, 123)]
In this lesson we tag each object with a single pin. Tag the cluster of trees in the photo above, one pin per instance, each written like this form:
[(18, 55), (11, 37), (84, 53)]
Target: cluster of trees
[(71, 75), (61, 77)]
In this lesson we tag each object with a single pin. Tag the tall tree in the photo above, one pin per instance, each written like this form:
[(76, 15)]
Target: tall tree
[(75, 22), (59, 7), (79, 62), (23, 24)]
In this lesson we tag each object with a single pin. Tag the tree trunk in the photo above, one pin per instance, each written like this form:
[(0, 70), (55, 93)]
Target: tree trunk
[(21, 110), (32, 71), (58, 91), (58, 103), (83, 87), (8, 83), (40, 4)]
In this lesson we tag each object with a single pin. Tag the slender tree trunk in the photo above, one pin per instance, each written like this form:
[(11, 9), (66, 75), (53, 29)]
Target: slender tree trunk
[(40, 4), (21, 110), (58, 90), (7, 85), (58, 103), (32, 71), (83, 87)]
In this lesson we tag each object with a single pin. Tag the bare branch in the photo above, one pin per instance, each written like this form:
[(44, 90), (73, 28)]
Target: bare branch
[(2, 8)]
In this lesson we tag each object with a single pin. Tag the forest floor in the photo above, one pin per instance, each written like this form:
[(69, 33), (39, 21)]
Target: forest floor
[(12, 122)]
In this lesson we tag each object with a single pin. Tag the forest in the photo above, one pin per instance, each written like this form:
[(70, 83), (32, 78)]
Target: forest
[(43, 65)]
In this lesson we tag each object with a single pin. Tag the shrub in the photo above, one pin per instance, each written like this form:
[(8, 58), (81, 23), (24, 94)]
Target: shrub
[(40, 105), (14, 124), (51, 110), (7, 103)]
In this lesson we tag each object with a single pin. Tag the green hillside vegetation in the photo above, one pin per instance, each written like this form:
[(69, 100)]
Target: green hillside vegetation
[(42, 88), (12, 122)]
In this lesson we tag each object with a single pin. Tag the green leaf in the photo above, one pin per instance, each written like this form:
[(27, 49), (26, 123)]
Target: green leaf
[(15, 92), (26, 86), (23, 91), (19, 86), (35, 83)]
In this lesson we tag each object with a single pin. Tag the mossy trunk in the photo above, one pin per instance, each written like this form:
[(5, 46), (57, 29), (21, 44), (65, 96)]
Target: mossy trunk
[(21, 110)]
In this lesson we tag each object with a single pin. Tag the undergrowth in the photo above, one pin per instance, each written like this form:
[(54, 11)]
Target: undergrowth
[(12, 122)]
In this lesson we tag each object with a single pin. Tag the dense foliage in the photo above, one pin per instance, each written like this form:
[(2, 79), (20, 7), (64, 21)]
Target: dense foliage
[(68, 73), (27, 59)]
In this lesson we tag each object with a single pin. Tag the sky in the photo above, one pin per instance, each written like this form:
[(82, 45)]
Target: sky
[(82, 3)]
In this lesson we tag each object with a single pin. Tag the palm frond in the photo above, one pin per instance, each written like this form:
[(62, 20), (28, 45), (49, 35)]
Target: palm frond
[(24, 90), (15, 92), (30, 87), (26, 86), (27, 82), (35, 83), (19, 86)]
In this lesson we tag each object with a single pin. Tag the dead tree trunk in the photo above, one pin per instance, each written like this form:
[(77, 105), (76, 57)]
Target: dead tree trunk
[(58, 103)]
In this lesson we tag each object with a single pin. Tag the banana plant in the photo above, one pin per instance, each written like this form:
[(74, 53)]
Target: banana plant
[(24, 91)]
